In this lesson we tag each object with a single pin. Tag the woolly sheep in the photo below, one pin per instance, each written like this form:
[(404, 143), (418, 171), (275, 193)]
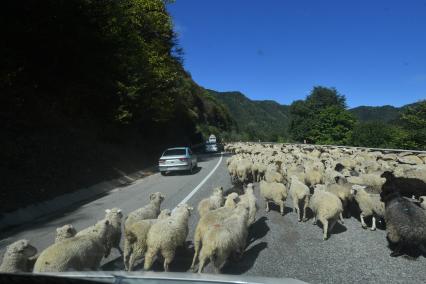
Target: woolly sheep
[(249, 200), (149, 211), (299, 192), (273, 192), (135, 239), (17, 257), (369, 205), (114, 217), (166, 235), (326, 208), (65, 232), (230, 200), (405, 222), (79, 253), (213, 202), (223, 239), (343, 191), (373, 181), (212, 217), (273, 176)]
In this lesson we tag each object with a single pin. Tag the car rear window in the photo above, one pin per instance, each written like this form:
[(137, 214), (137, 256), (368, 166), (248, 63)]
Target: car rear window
[(174, 152)]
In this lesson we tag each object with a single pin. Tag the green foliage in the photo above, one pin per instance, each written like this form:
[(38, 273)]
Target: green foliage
[(378, 135), (383, 114), (322, 118), (333, 125), (413, 119), (255, 120), (116, 62)]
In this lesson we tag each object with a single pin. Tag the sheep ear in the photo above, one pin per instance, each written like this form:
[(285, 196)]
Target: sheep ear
[(152, 196), (70, 229), (190, 208), (119, 211), (107, 211)]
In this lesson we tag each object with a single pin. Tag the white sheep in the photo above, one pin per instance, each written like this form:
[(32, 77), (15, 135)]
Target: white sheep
[(135, 239), (17, 257), (373, 181), (149, 211), (213, 202), (210, 218), (273, 176), (299, 192), (114, 217), (369, 205), (225, 238), (326, 208), (343, 191), (273, 192), (166, 235), (79, 253), (65, 232), (249, 199)]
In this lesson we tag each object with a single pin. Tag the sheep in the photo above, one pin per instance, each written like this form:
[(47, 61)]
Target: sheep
[(273, 176), (213, 202), (65, 232), (78, 253), (224, 238), (273, 192), (135, 239), (369, 204), (405, 222), (326, 208), (313, 177), (230, 200), (17, 257), (114, 217), (373, 181), (343, 191), (149, 211), (299, 192), (249, 200), (210, 218), (166, 235)]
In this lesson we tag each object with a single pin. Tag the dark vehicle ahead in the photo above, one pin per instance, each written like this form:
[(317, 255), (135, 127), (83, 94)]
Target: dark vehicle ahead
[(177, 159)]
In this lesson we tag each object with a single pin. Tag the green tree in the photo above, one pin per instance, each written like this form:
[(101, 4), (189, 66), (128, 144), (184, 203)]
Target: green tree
[(321, 118), (413, 120), (378, 135)]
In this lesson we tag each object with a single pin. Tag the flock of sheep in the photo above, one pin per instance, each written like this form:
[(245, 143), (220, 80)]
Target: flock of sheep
[(326, 180)]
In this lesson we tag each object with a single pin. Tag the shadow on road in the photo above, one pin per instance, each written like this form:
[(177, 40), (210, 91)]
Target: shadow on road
[(258, 230), (247, 261)]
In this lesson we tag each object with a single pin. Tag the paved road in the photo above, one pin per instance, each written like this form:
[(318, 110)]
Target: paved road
[(279, 246)]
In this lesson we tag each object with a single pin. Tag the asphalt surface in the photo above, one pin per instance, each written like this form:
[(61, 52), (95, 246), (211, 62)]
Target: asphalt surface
[(278, 246)]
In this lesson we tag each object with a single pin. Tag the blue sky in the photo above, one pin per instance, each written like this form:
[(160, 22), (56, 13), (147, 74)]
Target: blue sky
[(372, 51)]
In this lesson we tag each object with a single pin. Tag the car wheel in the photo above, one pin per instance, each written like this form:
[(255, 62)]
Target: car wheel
[(163, 173), (191, 170)]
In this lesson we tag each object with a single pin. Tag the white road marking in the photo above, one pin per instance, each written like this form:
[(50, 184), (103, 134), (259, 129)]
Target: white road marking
[(202, 182)]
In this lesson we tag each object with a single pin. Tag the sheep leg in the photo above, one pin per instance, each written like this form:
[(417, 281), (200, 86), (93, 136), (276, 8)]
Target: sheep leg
[(373, 226), (266, 206), (197, 243), (219, 262), (397, 251), (282, 207), (296, 208), (168, 255), (325, 228), (126, 255), (341, 218), (315, 220), (364, 226), (149, 258), (202, 259), (305, 206)]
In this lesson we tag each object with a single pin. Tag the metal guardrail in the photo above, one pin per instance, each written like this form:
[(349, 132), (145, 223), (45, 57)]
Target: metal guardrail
[(340, 146)]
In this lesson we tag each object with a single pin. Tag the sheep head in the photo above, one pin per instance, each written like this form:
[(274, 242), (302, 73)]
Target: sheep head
[(22, 247)]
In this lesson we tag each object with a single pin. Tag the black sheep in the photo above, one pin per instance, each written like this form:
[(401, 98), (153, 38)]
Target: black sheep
[(405, 222)]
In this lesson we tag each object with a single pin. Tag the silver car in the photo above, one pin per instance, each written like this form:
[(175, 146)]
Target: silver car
[(177, 159)]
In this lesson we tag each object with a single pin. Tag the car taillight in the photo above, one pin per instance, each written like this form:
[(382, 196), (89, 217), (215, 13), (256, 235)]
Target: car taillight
[(161, 161), (183, 159)]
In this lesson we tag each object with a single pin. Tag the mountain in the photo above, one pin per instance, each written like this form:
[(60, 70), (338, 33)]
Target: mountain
[(267, 120), (385, 113)]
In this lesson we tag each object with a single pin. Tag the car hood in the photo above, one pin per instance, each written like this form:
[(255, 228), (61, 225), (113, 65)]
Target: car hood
[(156, 277)]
